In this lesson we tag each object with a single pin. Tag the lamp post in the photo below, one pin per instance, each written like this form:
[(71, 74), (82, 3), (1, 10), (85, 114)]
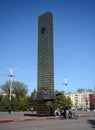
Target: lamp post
[(65, 84), (11, 69)]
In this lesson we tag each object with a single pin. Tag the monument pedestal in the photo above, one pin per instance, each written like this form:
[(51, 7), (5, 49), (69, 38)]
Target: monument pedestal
[(45, 107)]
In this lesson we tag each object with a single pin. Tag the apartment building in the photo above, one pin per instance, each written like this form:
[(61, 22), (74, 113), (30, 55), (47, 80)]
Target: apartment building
[(80, 100)]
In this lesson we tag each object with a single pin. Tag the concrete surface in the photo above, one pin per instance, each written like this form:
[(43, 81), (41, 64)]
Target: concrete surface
[(19, 116), (86, 122)]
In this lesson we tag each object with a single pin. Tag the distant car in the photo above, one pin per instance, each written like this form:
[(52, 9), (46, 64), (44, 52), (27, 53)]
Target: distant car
[(79, 109), (93, 109), (88, 109)]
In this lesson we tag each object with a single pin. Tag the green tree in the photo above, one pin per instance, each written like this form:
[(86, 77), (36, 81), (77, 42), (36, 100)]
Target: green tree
[(29, 103), (18, 89), (33, 93), (89, 90), (80, 90), (62, 101), (6, 88), (69, 102), (18, 99)]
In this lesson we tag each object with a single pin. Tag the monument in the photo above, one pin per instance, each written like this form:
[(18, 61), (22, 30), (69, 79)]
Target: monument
[(45, 75)]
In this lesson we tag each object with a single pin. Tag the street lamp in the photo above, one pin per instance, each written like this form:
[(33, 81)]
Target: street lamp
[(11, 69), (65, 84)]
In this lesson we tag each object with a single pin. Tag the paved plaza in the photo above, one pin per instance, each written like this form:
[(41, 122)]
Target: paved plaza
[(17, 121), (83, 123)]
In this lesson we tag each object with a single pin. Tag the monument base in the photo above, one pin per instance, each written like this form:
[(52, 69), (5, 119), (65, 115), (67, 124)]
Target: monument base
[(45, 107)]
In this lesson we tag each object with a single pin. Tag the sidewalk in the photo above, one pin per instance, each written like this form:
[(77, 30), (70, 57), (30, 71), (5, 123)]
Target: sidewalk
[(19, 116)]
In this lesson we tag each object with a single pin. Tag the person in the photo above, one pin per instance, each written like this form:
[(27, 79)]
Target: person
[(57, 113), (64, 114), (9, 110), (67, 114), (70, 114), (61, 113), (74, 114), (51, 110)]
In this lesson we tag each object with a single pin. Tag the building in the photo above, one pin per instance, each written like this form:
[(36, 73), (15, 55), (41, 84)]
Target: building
[(92, 101), (3, 94), (80, 100), (45, 76)]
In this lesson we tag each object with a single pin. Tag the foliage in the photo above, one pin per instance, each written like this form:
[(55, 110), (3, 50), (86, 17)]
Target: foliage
[(18, 89), (33, 93), (29, 103), (6, 88), (89, 90), (17, 100), (62, 101), (69, 102), (22, 102), (80, 90)]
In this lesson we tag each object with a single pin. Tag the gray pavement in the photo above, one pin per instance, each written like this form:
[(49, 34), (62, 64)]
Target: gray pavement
[(19, 116), (82, 123)]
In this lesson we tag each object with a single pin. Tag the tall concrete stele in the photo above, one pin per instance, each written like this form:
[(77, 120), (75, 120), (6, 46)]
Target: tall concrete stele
[(45, 77)]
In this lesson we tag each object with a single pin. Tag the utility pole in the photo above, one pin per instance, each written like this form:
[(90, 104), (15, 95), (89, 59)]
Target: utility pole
[(10, 75)]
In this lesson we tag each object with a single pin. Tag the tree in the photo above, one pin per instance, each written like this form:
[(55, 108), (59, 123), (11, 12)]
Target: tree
[(69, 102), (80, 90), (62, 101), (18, 89), (6, 88), (29, 103), (89, 90), (18, 99), (33, 93)]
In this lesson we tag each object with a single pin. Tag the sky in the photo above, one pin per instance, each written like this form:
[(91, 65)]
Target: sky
[(74, 42)]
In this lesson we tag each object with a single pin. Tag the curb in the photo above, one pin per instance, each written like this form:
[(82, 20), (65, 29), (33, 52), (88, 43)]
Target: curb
[(34, 119), (83, 115), (25, 119)]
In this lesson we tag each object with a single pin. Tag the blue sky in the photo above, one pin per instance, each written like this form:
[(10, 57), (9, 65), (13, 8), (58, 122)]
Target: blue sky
[(74, 41)]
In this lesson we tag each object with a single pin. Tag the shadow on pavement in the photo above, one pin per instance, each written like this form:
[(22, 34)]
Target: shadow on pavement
[(92, 122)]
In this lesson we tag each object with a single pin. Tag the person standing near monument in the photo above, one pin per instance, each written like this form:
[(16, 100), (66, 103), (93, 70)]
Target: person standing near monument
[(9, 110), (57, 113)]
